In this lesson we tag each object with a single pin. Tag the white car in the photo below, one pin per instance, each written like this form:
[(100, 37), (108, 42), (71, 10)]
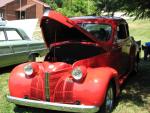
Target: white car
[(2, 21), (16, 47)]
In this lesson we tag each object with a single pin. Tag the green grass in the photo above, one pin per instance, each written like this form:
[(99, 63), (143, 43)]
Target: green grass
[(5, 107), (135, 96), (140, 29)]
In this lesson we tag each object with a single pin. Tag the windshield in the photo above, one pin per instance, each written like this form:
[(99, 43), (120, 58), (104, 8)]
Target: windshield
[(101, 31)]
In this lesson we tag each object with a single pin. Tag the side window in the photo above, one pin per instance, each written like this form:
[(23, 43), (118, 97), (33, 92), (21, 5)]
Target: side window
[(127, 29), (2, 36), (13, 35), (122, 31)]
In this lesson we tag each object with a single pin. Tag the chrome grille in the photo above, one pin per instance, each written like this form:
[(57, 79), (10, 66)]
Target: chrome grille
[(47, 90), (53, 82), (58, 97), (64, 92), (57, 89), (68, 94), (37, 88)]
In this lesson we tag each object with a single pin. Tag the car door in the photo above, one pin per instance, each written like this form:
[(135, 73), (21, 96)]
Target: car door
[(124, 44), (18, 44), (5, 50)]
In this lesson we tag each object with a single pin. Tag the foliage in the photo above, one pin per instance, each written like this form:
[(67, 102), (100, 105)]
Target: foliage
[(73, 7), (46, 1), (138, 8), (108, 6), (77, 8)]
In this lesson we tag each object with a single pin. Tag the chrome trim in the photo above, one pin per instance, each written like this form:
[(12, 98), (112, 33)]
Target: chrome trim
[(46, 12), (41, 49), (52, 106), (47, 89), (22, 52)]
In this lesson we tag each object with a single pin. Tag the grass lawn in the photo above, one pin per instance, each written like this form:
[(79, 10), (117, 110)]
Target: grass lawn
[(135, 96), (140, 29)]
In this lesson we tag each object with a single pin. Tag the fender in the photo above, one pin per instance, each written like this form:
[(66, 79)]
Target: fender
[(93, 90), (19, 84)]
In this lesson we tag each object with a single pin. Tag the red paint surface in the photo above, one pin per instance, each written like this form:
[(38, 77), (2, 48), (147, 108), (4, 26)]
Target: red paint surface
[(100, 70)]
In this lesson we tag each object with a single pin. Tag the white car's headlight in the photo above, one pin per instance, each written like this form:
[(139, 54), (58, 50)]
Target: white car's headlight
[(28, 70), (79, 73)]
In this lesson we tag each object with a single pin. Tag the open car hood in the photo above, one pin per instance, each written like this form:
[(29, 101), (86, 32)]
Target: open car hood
[(58, 28)]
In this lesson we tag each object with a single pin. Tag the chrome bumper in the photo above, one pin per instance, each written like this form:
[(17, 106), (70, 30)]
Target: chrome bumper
[(52, 106)]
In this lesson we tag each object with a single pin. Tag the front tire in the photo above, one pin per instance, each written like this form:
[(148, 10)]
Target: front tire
[(108, 105)]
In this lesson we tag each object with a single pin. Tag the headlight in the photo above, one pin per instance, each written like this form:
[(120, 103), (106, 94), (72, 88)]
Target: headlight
[(79, 73), (28, 69)]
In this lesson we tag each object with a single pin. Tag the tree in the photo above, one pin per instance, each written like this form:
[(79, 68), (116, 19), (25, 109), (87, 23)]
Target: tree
[(77, 7), (138, 8), (53, 3), (108, 6), (47, 1)]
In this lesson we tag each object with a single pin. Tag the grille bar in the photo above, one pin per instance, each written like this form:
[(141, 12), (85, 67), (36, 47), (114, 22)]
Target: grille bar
[(36, 90), (64, 92), (47, 89)]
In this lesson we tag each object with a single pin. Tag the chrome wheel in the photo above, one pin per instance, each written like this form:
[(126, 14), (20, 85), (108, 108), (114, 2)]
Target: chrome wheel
[(108, 104), (109, 99)]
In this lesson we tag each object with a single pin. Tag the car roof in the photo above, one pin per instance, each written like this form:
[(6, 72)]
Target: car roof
[(15, 28), (8, 27), (117, 19), (97, 17)]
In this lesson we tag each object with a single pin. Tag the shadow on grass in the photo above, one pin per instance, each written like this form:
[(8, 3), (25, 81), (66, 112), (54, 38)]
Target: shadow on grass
[(137, 87), (22, 109), (7, 69)]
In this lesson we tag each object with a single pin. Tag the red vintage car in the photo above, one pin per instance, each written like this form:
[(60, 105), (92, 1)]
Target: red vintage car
[(89, 59)]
